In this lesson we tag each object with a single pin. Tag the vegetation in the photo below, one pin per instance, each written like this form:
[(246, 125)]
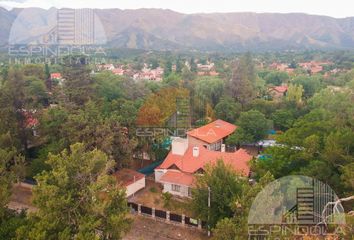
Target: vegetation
[(70, 136)]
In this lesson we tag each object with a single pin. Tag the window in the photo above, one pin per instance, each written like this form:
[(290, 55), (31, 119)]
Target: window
[(189, 192), (176, 188)]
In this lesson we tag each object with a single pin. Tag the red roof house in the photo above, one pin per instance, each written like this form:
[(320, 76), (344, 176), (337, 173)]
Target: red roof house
[(176, 173), (211, 135), (278, 92), (55, 76)]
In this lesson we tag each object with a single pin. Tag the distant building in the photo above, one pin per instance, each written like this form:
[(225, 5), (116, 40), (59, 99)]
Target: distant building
[(205, 67), (118, 71), (148, 74), (278, 92)]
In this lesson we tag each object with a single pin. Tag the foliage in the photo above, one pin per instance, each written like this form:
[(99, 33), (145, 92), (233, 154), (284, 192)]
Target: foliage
[(10, 222), (283, 119), (319, 144), (242, 84), (236, 227), (225, 185), (276, 78), (227, 109), (311, 85), (209, 89), (11, 170), (77, 198), (252, 127), (159, 107), (295, 94), (166, 197)]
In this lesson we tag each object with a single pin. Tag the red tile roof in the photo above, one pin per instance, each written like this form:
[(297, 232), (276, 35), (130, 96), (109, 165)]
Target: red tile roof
[(281, 89), (55, 76), (127, 176), (189, 164), (213, 132), (178, 178)]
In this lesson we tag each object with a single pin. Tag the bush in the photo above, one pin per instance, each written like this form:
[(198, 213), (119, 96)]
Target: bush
[(153, 190), (166, 199)]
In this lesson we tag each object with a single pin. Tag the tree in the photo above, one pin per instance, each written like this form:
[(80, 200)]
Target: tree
[(311, 85), (225, 185), (283, 119), (227, 109), (90, 127), (77, 199), (295, 93), (243, 81), (252, 127), (209, 89), (78, 85), (11, 170), (236, 227), (109, 86), (276, 78)]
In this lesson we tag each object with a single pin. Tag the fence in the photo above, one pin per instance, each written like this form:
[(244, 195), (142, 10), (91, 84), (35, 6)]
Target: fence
[(167, 216)]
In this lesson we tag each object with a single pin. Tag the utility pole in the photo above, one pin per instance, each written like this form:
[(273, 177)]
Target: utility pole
[(209, 211)]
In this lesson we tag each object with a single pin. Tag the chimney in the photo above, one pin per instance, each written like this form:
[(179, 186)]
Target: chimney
[(223, 147), (179, 146), (195, 152)]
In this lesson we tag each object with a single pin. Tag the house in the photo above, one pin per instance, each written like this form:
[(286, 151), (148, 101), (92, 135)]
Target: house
[(278, 92), (55, 76), (31, 122), (106, 67), (150, 75), (132, 180), (212, 135), (185, 160), (205, 67), (118, 71)]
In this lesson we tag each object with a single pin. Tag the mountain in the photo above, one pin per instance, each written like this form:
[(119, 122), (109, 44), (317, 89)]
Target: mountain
[(159, 29)]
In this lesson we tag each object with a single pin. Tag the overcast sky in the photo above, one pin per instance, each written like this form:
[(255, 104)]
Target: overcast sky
[(334, 8)]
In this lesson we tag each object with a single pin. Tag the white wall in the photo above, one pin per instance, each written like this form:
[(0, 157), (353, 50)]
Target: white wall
[(136, 186), (158, 174), (167, 187)]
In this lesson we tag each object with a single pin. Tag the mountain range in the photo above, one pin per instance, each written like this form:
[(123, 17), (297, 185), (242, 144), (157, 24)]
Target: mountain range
[(159, 29)]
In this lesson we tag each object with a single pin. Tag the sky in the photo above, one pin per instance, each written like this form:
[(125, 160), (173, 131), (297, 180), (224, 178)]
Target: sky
[(333, 8)]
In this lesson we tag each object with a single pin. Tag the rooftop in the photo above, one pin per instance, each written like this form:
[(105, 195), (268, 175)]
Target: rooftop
[(213, 132), (187, 163), (127, 176), (178, 178)]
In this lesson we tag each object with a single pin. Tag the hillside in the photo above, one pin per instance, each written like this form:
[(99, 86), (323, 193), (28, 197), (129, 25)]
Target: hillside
[(167, 30)]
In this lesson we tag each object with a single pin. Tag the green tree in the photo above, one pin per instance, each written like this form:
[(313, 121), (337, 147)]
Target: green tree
[(276, 78), (225, 185), (209, 89), (236, 227), (243, 81), (11, 170), (295, 93), (78, 84), (311, 85), (252, 127), (283, 119), (77, 199), (227, 109)]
